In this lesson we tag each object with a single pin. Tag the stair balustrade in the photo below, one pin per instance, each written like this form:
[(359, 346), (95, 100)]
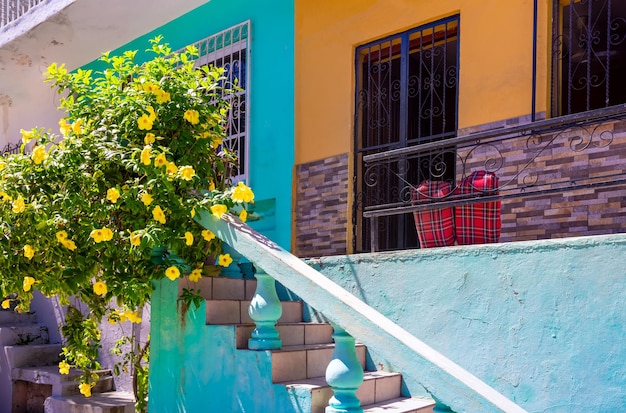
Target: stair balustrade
[(265, 310), (344, 374)]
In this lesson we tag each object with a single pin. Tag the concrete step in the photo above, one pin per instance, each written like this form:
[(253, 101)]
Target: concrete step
[(33, 355), (401, 405), (236, 312), (378, 386), (110, 402), (23, 334), (305, 362), (292, 334), (62, 384), (221, 288), (10, 318)]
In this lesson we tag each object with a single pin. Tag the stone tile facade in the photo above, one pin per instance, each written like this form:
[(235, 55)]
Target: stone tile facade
[(321, 207), (575, 154)]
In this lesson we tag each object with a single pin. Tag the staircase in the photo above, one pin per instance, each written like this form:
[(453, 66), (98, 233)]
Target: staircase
[(31, 382), (300, 364)]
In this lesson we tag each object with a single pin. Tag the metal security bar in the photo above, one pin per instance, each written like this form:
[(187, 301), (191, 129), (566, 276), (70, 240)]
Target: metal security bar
[(11, 10), (588, 55), (229, 49), (407, 95)]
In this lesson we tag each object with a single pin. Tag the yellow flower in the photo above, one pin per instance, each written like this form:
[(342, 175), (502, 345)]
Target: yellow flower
[(160, 160), (144, 122), (100, 288), (64, 127), (162, 96), (188, 238), (61, 236), (39, 154), (158, 215), (195, 275), (85, 389), (149, 139), (64, 368), (242, 193), (3, 164), (150, 87), (27, 135), (146, 198), (224, 260), (216, 142), (192, 116), (18, 205), (187, 173), (6, 304), (171, 168), (5, 196), (243, 215), (29, 252), (102, 234), (77, 127), (133, 316), (145, 155), (172, 273), (151, 113), (193, 212), (135, 239), (69, 244), (219, 210), (208, 235), (211, 185), (28, 282), (112, 195)]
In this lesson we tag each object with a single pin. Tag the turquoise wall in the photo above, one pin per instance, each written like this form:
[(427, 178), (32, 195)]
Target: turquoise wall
[(542, 322), (271, 91)]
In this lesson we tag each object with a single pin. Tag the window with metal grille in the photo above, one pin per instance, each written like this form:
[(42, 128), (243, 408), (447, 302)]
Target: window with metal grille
[(406, 94), (588, 55), (230, 50)]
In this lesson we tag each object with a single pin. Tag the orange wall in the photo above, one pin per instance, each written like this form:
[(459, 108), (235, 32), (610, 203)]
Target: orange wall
[(495, 68)]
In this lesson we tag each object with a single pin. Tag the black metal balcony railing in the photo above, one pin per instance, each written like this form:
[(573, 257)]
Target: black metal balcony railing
[(11, 10), (10, 148), (545, 157)]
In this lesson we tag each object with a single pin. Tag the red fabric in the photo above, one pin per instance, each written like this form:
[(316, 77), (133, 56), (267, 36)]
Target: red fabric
[(435, 227), (478, 223)]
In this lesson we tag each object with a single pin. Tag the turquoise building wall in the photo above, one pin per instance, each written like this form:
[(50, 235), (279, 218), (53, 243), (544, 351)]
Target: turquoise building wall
[(271, 95), (542, 322)]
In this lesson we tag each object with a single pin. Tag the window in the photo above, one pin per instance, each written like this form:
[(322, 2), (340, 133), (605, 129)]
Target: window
[(588, 55), (229, 49), (407, 94)]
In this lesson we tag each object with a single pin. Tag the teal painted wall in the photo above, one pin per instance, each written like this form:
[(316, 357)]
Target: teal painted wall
[(271, 91), (542, 322)]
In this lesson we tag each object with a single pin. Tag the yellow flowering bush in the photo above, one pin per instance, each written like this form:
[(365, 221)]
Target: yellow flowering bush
[(105, 206)]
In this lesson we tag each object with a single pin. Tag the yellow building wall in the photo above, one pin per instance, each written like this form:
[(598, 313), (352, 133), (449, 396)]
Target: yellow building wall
[(495, 67)]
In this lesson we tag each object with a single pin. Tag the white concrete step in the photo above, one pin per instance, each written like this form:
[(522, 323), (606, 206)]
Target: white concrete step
[(62, 384), (378, 386), (110, 402), (10, 317), (23, 334), (33, 355), (292, 334), (236, 312), (293, 363), (401, 405), (221, 288)]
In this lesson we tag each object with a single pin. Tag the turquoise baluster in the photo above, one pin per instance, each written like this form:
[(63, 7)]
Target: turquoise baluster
[(344, 374), (265, 310)]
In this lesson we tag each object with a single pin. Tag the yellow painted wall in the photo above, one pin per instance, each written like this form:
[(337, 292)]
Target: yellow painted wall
[(495, 68)]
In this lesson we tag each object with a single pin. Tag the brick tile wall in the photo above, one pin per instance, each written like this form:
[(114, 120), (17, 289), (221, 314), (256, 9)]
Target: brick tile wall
[(321, 207)]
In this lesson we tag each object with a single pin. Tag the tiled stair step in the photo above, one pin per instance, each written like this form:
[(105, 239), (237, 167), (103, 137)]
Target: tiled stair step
[(291, 334), (236, 312), (111, 402), (10, 317), (62, 384), (305, 362), (33, 355), (11, 335), (402, 405), (221, 288)]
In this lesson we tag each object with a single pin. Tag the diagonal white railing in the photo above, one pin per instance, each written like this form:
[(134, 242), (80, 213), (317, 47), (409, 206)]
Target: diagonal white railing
[(445, 380)]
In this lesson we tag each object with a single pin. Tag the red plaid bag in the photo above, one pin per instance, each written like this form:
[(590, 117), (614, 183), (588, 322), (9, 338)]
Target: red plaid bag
[(435, 227), (478, 223)]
